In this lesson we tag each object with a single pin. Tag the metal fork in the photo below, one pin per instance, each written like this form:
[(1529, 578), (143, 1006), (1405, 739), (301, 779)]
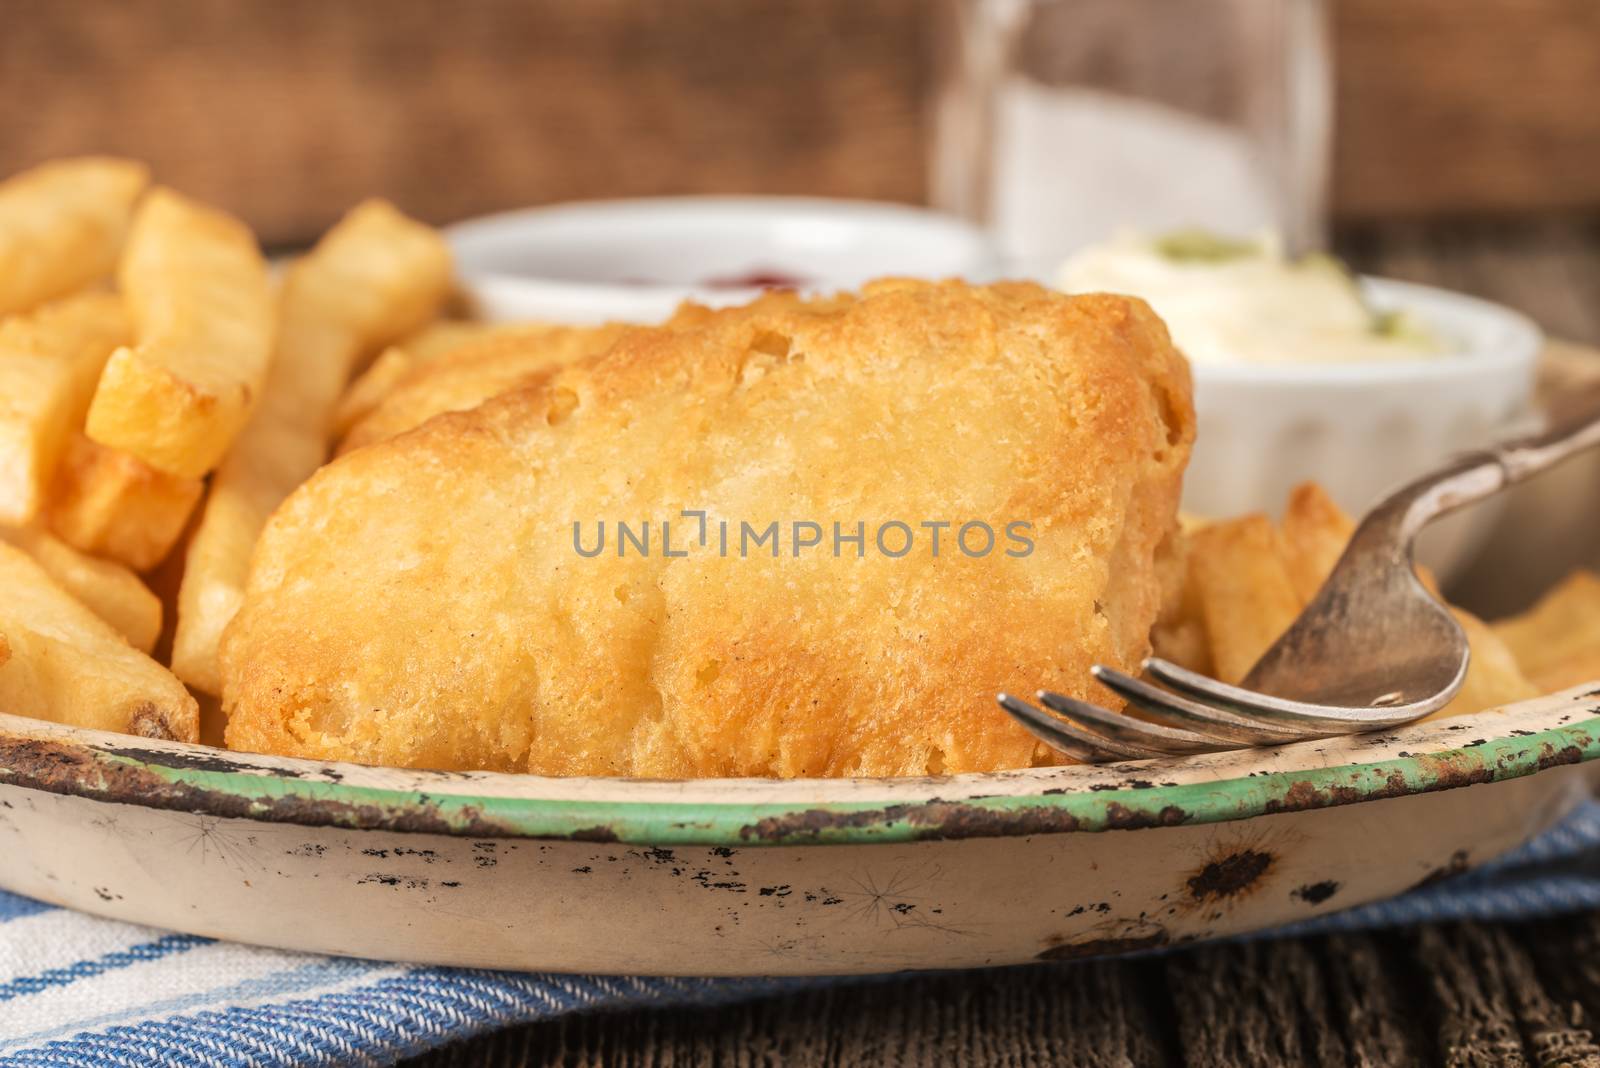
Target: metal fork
[(1374, 649)]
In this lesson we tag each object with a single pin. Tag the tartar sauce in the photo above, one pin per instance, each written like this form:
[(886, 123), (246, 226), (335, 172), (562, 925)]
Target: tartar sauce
[(1228, 301)]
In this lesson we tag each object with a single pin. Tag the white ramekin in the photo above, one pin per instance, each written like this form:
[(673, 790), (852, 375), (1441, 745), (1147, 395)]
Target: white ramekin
[(1363, 429), (637, 260)]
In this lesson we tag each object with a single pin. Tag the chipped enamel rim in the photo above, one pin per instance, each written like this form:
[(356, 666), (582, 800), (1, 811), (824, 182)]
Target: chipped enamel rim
[(1507, 743)]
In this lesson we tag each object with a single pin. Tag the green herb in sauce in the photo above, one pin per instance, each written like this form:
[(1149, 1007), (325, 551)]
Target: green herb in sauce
[(1203, 246)]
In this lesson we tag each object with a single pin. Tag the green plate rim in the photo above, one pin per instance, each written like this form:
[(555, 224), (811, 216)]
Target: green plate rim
[(215, 782)]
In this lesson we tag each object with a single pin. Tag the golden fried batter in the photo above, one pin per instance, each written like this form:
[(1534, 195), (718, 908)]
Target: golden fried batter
[(421, 602), (475, 372), (511, 357)]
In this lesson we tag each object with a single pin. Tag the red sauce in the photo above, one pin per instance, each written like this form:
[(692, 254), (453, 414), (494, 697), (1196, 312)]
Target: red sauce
[(758, 278)]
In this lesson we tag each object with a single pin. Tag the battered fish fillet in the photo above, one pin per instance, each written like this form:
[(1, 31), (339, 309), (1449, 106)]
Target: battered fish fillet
[(422, 602)]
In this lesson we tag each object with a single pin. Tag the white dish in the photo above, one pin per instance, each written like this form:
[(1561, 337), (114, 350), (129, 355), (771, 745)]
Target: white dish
[(1362, 429), (763, 877), (637, 260)]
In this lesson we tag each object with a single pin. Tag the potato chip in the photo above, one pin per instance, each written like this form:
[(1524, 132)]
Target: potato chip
[(108, 589), (375, 275), (198, 294), (1493, 677), (1246, 579), (1179, 634), (1315, 532), (113, 504), (67, 665), (1557, 641), (1247, 598), (62, 225), (50, 360)]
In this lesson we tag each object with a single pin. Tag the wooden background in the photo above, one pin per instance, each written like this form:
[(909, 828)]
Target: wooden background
[(288, 110)]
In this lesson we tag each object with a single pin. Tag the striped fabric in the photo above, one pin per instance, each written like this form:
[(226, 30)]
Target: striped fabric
[(81, 991)]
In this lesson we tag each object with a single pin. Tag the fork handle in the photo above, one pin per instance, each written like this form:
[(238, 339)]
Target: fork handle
[(1572, 429), (1471, 477)]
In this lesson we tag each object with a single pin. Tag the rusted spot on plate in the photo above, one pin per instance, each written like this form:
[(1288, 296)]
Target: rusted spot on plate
[(1316, 893), (1437, 773), (1551, 757), (203, 760), (1229, 876), (63, 769), (1120, 817), (935, 820), (594, 834)]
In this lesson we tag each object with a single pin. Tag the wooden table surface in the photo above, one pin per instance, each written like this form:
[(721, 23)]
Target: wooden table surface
[(1461, 994)]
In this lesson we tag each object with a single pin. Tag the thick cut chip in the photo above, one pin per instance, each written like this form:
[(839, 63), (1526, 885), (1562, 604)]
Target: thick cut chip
[(421, 602), (375, 276), (62, 225), (68, 665), (1315, 532), (198, 293), (112, 504), (1252, 583), (1247, 598), (1557, 641), (50, 361), (1179, 634), (1494, 678), (109, 590)]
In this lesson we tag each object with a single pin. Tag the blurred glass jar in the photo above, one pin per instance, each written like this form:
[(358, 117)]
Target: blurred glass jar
[(1058, 123)]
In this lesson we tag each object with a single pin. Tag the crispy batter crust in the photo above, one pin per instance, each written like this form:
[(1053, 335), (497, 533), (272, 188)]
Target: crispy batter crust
[(476, 372), (420, 603)]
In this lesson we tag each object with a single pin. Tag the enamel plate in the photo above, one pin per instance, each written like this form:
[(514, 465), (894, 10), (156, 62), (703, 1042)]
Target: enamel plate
[(743, 877)]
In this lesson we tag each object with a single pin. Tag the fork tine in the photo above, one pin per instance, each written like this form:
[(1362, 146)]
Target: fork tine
[(1121, 728), (1076, 743), (1295, 715), (1181, 711)]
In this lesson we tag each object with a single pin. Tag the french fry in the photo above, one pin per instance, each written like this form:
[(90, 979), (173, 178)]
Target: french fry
[(1557, 641), (107, 589), (1179, 634), (198, 294), (1251, 583), (375, 275), (62, 225), (67, 665), (1315, 532), (50, 360), (113, 504), (1494, 677), (1239, 572)]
